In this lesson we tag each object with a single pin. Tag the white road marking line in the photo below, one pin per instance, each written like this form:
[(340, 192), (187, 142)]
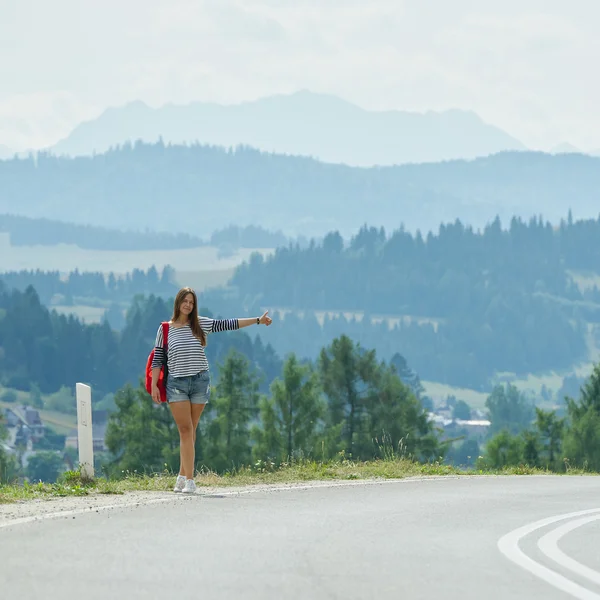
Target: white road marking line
[(509, 546), (549, 546)]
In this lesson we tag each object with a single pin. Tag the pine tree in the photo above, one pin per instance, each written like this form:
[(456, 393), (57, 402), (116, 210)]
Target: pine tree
[(407, 375), (141, 436), (233, 408), (45, 465), (503, 450), (508, 409), (267, 437), (347, 373), (398, 424), (582, 438), (550, 431), (8, 464), (291, 416)]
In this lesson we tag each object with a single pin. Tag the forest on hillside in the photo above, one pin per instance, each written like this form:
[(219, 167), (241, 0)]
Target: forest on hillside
[(24, 231), (39, 347), (136, 186), (394, 273), (478, 302), (92, 288), (461, 305)]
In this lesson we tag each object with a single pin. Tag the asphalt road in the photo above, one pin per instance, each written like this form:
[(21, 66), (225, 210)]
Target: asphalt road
[(452, 538)]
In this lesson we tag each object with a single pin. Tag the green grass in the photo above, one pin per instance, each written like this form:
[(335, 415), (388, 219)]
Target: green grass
[(21, 396), (59, 422), (438, 392), (72, 484), (532, 383)]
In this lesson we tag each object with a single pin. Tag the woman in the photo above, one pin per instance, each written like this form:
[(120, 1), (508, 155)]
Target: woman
[(188, 381)]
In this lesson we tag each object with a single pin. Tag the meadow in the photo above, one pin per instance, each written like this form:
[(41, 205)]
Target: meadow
[(205, 265), (60, 422)]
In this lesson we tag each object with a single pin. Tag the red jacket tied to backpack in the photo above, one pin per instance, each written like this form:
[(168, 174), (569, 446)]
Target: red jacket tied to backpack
[(162, 376)]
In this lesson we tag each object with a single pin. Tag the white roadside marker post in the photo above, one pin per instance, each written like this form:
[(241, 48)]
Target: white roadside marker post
[(85, 437)]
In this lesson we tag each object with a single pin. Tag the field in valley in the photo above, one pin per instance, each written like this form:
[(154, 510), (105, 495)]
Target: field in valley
[(203, 265), (59, 422), (200, 268)]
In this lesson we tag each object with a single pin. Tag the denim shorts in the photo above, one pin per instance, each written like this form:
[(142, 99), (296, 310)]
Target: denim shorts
[(195, 388)]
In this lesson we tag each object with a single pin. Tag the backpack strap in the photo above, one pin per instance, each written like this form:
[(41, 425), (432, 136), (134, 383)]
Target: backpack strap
[(165, 328)]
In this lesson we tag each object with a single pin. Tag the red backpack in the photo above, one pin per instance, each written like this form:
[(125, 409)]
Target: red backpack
[(162, 376)]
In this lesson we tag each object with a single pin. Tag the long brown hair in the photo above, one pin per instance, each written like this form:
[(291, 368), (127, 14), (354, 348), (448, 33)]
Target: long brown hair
[(194, 321)]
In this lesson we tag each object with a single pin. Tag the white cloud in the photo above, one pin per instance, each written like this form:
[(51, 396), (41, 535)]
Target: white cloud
[(528, 67)]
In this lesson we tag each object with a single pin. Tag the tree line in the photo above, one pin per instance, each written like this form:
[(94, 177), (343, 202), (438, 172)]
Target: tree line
[(90, 288), (463, 305), (140, 181), (348, 402), (476, 303), (457, 271), (27, 231), (39, 347), (522, 434)]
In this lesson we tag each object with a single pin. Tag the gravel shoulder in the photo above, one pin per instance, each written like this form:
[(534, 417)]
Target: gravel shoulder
[(28, 510)]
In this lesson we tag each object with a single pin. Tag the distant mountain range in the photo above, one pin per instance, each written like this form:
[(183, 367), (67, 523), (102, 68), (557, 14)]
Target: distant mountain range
[(198, 189), (305, 124)]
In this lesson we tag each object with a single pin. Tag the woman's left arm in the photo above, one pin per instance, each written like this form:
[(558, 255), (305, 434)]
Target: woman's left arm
[(216, 325), (264, 320)]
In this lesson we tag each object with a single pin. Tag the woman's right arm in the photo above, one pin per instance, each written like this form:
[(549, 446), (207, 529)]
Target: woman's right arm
[(155, 390), (155, 374), (159, 356)]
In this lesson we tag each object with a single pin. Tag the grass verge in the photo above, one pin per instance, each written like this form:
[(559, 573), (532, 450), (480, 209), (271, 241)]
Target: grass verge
[(72, 484)]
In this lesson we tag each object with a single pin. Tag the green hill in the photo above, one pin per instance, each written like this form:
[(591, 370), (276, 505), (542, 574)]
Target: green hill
[(462, 306), (198, 188)]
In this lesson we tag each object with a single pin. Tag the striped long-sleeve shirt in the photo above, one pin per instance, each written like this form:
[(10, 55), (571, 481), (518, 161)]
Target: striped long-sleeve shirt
[(185, 353)]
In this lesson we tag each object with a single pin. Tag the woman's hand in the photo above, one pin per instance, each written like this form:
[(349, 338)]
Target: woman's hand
[(265, 319), (155, 394)]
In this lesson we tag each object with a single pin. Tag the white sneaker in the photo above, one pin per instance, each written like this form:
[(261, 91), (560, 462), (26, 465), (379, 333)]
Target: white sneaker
[(179, 484), (190, 487)]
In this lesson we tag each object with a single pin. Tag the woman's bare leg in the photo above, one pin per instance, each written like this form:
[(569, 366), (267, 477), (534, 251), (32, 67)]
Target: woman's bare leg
[(196, 414), (182, 413)]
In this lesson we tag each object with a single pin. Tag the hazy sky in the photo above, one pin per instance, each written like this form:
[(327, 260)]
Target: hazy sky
[(528, 66)]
